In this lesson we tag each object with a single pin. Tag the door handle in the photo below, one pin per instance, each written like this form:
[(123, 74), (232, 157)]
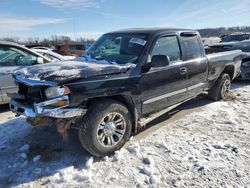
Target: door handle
[(183, 70)]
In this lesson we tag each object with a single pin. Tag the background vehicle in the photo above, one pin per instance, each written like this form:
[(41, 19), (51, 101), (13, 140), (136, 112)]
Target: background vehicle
[(232, 42), (52, 55), (235, 42), (125, 77), (208, 41), (70, 49), (14, 57)]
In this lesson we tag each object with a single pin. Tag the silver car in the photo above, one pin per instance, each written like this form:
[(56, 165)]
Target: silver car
[(53, 56), (13, 57)]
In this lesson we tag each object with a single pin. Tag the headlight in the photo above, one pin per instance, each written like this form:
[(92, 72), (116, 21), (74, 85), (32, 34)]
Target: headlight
[(56, 91)]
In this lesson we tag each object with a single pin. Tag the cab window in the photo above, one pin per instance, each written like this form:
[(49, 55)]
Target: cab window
[(167, 46), (192, 47), (12, 56)]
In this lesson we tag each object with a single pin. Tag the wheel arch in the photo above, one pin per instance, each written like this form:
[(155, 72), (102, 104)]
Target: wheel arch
[(124, 99), (230, 71)]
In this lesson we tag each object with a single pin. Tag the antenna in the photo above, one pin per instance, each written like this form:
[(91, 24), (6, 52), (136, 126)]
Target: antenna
[(75, 29)]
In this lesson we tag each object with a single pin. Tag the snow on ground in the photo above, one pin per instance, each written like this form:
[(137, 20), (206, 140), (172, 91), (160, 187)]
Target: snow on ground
[(209, 148)]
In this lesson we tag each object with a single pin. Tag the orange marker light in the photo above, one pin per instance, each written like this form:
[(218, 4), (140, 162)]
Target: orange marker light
[(61, 103)]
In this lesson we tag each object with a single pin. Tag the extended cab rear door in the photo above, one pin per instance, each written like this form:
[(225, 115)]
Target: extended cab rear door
[(164, 86), (196, 63)]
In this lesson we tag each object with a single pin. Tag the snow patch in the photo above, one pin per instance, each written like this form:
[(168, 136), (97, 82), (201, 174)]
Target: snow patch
[(209, 148), (36, 158), (23, 155), (89, 163), (25, 147)]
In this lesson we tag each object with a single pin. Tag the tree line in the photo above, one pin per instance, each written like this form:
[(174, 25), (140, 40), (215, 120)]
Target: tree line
[(48, 42), (56, 40), (216, 32)]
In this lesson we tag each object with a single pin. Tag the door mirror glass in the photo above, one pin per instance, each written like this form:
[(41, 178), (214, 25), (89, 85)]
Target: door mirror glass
[(160, 61)]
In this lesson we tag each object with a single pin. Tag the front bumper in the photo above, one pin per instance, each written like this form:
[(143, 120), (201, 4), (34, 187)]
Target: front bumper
[(45, 109)]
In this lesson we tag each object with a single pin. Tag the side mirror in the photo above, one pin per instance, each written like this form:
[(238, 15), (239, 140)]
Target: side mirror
[(40, 60), (159, 61)]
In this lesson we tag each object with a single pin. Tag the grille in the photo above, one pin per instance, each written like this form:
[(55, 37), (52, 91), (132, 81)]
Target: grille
[(31, 94)]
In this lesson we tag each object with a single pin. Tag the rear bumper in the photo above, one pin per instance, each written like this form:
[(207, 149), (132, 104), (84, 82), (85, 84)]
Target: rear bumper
[(44, 109)]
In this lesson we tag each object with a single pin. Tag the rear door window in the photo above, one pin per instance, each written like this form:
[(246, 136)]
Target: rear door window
[(192, 47)]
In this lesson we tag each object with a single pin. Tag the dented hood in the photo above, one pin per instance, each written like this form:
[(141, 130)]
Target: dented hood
[(64, 71)]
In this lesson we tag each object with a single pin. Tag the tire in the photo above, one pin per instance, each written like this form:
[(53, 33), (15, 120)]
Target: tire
[(221, 88), (106, 127)]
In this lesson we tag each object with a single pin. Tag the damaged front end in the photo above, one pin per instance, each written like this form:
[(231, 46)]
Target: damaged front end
[(44, 103)]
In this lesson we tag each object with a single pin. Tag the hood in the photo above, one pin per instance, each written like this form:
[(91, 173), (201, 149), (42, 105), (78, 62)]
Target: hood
[(64, 71)]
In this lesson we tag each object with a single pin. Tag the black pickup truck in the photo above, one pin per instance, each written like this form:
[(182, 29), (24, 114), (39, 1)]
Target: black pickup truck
[(125, 79)]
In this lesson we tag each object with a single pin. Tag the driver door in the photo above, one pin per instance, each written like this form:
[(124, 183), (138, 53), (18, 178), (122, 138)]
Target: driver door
[(11, 59), (164, 86)]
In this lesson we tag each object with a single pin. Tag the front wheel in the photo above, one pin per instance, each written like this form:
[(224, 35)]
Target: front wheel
[(221, 88), (106, 127)]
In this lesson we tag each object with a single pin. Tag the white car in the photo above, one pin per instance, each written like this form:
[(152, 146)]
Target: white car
[(52, 55)]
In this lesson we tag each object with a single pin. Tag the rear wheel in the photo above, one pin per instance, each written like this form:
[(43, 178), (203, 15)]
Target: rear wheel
[(106, 127), (221, 88)]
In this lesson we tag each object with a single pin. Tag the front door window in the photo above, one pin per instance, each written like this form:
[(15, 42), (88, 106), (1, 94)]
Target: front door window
[(12, 56)]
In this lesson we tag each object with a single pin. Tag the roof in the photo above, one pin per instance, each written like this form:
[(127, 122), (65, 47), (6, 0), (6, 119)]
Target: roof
[(150, 30), (11, 43)]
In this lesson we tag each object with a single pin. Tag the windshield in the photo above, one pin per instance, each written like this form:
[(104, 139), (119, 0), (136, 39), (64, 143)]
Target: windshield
[(231, 38), (118, 48)]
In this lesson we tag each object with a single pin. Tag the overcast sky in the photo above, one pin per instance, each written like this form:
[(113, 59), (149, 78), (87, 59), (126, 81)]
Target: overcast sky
[(91, 18)]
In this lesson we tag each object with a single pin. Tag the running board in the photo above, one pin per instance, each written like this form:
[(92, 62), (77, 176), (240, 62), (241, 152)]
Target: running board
[(142, 122)]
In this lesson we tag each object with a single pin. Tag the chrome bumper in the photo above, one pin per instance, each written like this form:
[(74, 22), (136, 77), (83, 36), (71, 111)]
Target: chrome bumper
[(44, 109)]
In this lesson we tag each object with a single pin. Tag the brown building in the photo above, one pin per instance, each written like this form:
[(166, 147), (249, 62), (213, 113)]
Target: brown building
[(70, 49)]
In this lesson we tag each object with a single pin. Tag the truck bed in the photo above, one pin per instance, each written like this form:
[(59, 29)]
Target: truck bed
[(218, 61)]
